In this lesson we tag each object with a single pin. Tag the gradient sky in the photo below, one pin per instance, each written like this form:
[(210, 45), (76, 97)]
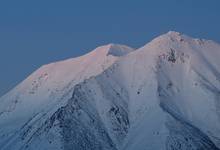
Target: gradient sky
[(33, 33)]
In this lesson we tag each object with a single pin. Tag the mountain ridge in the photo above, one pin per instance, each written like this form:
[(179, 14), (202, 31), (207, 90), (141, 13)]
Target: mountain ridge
[(150, 93)]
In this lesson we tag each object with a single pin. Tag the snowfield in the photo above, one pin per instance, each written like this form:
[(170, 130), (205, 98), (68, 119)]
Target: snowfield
[(162, 96)]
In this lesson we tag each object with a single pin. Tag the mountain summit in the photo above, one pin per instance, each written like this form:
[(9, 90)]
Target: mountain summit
[(164, 95)]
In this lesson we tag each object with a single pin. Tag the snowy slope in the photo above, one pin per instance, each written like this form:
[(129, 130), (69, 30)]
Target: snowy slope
[(178, 99), (163, 96), (51, 86)]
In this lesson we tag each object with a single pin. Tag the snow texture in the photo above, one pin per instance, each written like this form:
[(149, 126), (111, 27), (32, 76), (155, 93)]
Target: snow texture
[(162, 96)]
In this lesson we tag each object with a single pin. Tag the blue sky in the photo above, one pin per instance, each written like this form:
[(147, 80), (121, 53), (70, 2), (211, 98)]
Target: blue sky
[(33, 33)]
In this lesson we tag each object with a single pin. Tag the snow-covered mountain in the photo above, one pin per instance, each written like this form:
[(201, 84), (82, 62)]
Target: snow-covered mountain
[(163, 96)]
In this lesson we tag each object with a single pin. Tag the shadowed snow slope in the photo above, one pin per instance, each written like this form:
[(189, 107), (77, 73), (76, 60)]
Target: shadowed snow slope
[(163, 96)]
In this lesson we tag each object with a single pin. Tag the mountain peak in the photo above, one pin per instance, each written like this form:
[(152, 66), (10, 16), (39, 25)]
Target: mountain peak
[(176, 36), (174, 33), (115, 50), (118, 50)]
